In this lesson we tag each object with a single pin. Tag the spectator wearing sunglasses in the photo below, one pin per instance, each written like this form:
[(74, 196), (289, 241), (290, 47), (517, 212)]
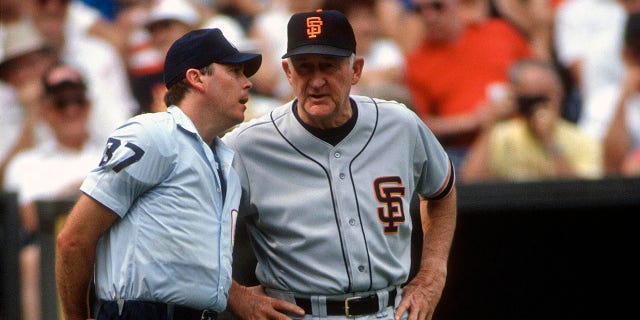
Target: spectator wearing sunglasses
[(24, 56), (51, 170), (537, 143), (99, 61)]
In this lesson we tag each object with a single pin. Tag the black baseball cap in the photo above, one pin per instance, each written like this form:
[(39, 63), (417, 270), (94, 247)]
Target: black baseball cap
[(199, 48), (325, 32)]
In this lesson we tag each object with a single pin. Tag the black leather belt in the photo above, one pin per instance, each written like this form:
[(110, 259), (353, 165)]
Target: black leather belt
[(350, 306), (176, 312), (186, 313)]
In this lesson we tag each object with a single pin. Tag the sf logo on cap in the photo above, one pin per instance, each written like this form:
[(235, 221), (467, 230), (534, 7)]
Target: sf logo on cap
[(314, 26)]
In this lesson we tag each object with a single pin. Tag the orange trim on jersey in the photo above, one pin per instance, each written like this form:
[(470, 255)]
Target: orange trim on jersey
[(447, 186)]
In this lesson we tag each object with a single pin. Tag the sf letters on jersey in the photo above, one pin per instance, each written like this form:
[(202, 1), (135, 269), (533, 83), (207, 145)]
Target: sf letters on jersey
[(390, 192)]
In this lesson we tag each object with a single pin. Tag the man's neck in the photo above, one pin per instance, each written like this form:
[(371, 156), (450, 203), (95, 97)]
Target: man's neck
[(331, 135), (75, 143)]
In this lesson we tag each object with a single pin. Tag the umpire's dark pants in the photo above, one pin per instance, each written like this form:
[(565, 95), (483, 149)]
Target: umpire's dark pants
[(141, 310)]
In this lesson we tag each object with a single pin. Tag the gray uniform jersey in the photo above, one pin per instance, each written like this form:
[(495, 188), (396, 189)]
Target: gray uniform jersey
[(330, 219)]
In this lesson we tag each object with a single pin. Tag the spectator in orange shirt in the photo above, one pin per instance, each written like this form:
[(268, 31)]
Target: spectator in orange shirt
[(457, 68)]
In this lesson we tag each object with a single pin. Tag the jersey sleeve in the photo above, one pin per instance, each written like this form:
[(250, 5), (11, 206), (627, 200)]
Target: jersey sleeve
[(134, 160), (436, 172)]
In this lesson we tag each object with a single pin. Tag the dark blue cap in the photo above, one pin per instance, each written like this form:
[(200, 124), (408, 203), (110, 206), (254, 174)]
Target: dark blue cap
[(200, 48), (325, 32)]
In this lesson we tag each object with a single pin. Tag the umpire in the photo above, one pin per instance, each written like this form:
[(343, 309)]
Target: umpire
[(156, 216)]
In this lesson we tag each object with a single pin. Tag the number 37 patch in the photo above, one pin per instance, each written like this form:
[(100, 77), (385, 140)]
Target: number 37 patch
[(129, 156)]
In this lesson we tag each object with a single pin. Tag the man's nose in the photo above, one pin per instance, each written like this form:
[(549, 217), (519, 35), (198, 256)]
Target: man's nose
[(317, 79)]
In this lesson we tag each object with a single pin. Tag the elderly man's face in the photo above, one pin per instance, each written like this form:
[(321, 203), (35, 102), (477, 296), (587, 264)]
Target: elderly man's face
[(322, 85)]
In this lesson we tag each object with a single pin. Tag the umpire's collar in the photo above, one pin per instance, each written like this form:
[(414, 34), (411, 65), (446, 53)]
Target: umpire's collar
[(182, 120)]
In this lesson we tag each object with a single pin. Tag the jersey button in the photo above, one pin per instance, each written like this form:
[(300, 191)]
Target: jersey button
[(342, 175), (337, 155), (361, 268), (352, 222)]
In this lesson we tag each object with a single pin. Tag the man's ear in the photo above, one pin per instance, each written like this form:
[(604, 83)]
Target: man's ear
[(285, 68), (194, 77), (358, 65)]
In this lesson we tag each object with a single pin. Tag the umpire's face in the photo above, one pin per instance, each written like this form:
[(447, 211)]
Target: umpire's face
[(322, 85)]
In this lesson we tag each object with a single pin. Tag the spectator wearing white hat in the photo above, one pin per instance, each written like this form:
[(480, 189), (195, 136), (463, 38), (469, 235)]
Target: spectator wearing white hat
[(23, 58), (165, 22), (51, 170)]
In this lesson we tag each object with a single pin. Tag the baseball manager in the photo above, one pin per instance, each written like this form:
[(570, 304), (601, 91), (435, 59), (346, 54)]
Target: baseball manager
[(327, 181)]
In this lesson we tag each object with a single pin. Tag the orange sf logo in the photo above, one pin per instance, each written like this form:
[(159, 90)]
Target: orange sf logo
[(314, 26)]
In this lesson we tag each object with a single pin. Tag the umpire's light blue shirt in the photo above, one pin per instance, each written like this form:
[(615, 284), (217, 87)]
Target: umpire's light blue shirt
[(173, 240)]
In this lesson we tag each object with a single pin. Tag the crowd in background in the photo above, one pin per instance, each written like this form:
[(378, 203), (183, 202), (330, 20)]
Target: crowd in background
[(516, 90), (449, 60)]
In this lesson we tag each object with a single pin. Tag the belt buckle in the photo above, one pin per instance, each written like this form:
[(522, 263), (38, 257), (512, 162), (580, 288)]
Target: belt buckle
[(208, 315), (346, 305)]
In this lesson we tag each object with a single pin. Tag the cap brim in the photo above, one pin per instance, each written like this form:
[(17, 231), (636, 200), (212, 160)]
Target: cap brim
[(65, 85), (13, 57), (251, 61), (318, 49)]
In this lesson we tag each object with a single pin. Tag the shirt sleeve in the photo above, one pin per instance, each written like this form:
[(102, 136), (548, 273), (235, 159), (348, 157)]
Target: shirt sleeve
[(134, 161), (437, 174)]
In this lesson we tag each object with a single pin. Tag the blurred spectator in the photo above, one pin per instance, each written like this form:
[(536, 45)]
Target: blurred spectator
[(603, 71), (538, 143), (81, 20), (142, 60), (384, 75), (165, 22), (269, 30), (24, 59), (535, 19), (98, 61), (108, 8), (588, 39), (476, 11), (237, 34), (230, 27), (631, 164), (399, 20), (52, 170), (622, 138), (457, 69), (243, 11), (169, 20), (12, 11), (128, 22), (162, 23)]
